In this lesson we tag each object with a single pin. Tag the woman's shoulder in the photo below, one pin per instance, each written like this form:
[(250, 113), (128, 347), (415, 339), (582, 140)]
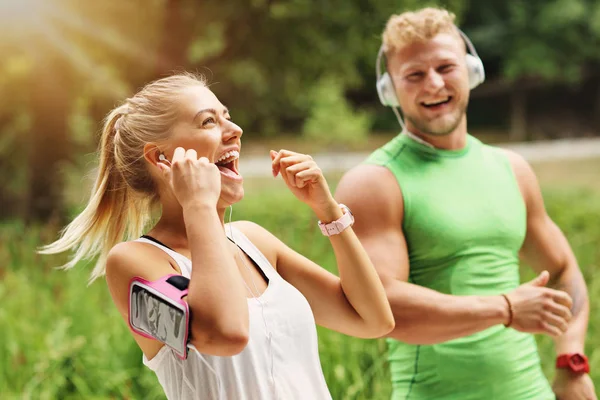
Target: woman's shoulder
[(136, 258), (261, 238), (132, 250), (254, 232)]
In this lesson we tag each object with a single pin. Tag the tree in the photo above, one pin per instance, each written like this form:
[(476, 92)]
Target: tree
[(532, 44)]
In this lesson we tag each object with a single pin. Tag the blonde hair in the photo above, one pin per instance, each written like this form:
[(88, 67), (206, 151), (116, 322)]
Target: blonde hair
[(415, 26), (124, 193)]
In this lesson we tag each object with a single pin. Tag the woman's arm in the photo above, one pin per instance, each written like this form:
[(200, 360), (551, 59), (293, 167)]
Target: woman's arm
[(353, 303), (219, 323)]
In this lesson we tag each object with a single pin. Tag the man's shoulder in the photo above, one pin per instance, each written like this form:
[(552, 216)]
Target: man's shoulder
[(520, 167), (505, 154), (500, 150), (368, 176), (516, 160), (369, 187)]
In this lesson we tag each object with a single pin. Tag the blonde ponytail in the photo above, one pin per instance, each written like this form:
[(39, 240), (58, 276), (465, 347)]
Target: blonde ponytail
[(123, 195), (110, 215)]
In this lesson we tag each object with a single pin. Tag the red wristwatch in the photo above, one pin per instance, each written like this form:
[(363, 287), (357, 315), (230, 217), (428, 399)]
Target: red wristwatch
[(575, 362)]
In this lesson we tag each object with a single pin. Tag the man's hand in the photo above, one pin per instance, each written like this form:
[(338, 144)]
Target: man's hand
[(537, 309), (571, 386)]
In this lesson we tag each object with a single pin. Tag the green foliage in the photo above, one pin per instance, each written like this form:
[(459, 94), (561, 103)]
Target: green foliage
[(332, 120), (64, 340), (270, 62), (548, 40)]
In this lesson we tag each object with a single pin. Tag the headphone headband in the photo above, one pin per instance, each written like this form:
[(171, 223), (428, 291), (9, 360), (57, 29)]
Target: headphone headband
[(468, 42)]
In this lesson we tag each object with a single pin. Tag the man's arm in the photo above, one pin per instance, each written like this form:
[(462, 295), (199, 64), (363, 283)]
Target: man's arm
[(546, 248), (424, 316)]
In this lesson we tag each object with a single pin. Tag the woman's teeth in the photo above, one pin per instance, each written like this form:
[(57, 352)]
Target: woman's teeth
[(228, 157)]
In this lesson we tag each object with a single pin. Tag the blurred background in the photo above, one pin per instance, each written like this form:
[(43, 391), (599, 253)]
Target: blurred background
[(295, 74)]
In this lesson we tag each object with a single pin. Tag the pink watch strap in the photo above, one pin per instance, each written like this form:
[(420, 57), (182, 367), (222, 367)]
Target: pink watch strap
[(338, 226)]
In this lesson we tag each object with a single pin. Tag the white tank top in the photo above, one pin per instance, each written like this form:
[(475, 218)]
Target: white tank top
[(280, 361)]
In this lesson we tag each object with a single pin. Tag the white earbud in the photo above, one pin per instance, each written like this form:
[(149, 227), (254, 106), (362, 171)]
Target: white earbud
[(162, 157)]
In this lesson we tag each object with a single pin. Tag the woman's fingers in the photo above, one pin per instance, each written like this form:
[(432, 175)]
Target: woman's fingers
[(178, 155), (312, 175), (284, 158), (164, 168), (304, 172), (191, 154)]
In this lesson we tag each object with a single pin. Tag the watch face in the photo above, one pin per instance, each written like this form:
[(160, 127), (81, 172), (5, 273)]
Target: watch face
[(577, 362), (577, 359)]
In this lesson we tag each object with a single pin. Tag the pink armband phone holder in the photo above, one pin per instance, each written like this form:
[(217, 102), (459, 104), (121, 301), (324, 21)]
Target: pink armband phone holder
[(157, 311)]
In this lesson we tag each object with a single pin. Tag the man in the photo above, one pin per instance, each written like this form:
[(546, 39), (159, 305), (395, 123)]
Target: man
[(444, 219)]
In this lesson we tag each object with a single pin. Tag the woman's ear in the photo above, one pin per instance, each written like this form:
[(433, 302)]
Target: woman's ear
[(153, 154)]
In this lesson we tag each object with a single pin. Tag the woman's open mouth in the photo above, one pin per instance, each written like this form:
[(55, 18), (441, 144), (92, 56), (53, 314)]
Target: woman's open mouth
[(227, 164)]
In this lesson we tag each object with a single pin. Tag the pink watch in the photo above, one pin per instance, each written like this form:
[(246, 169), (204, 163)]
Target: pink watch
[(338, 226)]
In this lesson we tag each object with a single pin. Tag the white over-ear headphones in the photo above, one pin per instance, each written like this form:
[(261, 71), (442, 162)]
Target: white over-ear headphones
[(385, 85)]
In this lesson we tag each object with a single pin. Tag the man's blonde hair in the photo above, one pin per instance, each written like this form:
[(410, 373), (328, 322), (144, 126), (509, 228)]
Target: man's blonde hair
[(414, 26)]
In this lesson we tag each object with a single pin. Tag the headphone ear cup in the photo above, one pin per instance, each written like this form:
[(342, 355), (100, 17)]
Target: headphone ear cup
[(386, 91), (476, 71)]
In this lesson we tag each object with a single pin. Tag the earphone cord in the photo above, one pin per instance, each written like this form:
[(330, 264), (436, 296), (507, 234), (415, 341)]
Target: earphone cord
[(256, 296), (399, 117)]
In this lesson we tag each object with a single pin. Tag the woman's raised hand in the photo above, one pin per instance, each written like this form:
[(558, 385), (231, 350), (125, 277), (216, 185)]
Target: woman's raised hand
[(193, 180), (303, 177)]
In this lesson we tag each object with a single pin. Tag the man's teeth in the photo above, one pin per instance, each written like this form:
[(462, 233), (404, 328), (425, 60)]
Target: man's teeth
[(435, 103), (229, 156)]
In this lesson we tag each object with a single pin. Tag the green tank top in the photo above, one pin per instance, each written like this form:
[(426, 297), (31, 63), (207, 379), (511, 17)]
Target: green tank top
[(464, 223)]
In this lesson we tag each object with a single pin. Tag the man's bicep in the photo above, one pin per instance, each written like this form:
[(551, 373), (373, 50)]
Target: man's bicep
[(545, 247), (375, 198), (388, 252)]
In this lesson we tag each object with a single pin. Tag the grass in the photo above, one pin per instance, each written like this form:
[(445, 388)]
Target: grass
[(64, 340)]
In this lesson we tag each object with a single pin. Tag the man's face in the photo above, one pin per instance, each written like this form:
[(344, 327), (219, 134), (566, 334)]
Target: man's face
[(432, 84)]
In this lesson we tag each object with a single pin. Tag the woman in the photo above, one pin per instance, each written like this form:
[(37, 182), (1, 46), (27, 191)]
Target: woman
[(254, 301)]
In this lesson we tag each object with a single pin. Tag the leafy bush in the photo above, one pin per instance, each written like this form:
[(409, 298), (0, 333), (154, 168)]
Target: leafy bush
[(331, 119)]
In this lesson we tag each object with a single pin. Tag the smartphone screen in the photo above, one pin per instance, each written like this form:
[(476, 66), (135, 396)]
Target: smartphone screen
[(159, 318)]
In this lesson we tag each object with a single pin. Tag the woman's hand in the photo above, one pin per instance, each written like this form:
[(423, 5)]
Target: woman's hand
[(304, 178), (192, 179)]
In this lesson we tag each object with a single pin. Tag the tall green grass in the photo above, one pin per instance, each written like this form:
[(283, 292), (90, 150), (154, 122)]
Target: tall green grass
[(60, 339)]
